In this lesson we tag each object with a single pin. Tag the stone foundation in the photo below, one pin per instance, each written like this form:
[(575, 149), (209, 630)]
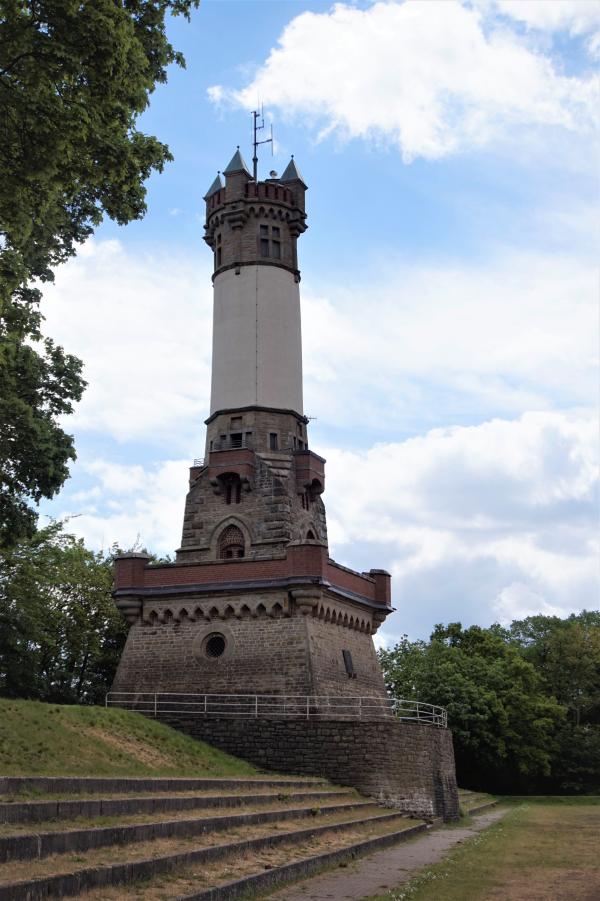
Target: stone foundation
[(407, 765)]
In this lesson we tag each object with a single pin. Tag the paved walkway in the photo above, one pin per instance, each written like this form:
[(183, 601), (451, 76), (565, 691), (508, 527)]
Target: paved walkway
[(385, 869)]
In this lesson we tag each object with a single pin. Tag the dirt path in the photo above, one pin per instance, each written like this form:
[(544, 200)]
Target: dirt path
[(386, 869)]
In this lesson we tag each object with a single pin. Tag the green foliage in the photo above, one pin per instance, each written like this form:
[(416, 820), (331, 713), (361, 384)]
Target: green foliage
[(522, 703), (60, 633), (566, 653), (74, 78), (35, 388)]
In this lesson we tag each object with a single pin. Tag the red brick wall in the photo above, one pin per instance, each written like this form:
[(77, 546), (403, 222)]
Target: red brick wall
[(350, 580), (308, 560)]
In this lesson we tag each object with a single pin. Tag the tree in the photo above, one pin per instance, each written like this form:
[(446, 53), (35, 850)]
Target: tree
[(61, 634), (503, 724), (74, 78), (35, 388), (566, 652)]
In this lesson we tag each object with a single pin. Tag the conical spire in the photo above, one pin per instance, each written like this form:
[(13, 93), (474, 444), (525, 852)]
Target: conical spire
[(292, 173), (237, 164), (216, 186)]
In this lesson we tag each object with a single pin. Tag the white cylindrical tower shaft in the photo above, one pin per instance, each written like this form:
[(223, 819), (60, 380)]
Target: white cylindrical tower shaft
[(252, 228), (257, 341)]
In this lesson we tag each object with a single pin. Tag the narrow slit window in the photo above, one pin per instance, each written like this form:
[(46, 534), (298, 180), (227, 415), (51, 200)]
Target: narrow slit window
[(348, 663), (273, 441)]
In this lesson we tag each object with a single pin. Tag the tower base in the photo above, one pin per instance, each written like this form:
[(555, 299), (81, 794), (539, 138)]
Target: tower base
[(297, 624), (407, 765)]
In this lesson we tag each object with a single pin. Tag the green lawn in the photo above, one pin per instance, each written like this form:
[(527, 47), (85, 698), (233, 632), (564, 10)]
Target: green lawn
[(544, 849), (52, 740)]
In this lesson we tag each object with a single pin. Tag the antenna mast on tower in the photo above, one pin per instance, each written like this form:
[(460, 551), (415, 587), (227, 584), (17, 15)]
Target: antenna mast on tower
[(256, 115)]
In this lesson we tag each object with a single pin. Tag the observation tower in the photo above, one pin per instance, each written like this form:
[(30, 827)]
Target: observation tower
[(254, 639), (253, 603)]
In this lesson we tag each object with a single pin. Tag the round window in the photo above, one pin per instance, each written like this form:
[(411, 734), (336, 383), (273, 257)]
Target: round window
[(215, 645)]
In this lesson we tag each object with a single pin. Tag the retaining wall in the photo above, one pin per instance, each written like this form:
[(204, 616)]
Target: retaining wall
[(407, 765)]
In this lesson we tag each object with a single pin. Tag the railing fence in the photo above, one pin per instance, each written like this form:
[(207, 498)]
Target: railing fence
[(278, 706)]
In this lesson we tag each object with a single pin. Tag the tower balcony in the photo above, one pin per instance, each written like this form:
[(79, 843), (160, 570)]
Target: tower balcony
[(235, 460), (310, 470)]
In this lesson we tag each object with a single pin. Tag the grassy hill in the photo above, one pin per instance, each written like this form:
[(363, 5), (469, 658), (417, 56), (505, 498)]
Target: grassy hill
[(52, 740)]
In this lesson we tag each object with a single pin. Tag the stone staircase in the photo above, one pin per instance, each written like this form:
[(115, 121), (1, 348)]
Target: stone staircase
[(119, 839)]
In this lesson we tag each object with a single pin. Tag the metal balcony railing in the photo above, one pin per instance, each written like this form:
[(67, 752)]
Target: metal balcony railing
[(232, 442), (324, 707)]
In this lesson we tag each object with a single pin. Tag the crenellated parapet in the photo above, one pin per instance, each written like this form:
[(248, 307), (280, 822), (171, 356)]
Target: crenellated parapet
[(255, 223)]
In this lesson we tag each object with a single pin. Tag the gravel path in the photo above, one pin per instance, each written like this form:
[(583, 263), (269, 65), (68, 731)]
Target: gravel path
[(385, 869)]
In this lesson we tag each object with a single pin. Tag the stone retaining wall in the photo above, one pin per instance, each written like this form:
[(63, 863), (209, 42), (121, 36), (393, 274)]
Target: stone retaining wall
[(407, 765)]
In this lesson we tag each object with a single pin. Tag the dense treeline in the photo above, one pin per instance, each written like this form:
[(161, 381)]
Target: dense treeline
[(61, 635), (523, 702)]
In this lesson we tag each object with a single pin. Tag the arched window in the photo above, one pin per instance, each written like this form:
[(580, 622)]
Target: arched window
[(231, 543), (310, 535)]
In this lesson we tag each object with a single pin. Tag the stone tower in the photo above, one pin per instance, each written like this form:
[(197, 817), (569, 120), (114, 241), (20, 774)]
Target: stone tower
[(253, 603)]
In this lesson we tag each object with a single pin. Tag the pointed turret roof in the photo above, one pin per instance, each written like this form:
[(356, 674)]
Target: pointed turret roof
[(236, 164), (216, 186), (292, 173)]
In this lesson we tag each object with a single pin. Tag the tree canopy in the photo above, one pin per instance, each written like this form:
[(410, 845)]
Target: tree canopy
[(74, 78), (523, 703), (61, 634)]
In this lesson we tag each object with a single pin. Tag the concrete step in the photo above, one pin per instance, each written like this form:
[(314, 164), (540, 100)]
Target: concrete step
[(68, 785), (31, 846), (273, 875), (101, 870), (17, 812)]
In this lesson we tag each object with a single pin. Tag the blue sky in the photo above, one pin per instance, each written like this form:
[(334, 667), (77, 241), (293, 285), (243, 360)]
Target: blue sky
[(449, 290)]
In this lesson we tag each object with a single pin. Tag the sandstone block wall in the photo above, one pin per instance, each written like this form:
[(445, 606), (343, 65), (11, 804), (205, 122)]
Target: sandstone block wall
[(271, 648), (407, 765), (271, 511)]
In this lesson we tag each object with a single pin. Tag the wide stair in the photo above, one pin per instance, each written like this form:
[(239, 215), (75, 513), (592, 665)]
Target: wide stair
[(109, 839)]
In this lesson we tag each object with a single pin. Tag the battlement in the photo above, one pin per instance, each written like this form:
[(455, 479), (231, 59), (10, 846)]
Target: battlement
[(270, 189), (252, 222)]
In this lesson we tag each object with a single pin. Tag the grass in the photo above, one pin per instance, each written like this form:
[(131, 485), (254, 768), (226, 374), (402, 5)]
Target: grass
[(545, 847), (51, 740)]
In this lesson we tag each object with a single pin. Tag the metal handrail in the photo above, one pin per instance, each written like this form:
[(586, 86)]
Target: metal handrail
[(279, 706)]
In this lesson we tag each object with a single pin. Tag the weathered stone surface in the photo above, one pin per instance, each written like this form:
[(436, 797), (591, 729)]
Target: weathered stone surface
[(406, 764), (268, 650)]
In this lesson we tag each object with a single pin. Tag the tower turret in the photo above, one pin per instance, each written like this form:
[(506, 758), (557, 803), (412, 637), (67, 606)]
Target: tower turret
[(252, 228)]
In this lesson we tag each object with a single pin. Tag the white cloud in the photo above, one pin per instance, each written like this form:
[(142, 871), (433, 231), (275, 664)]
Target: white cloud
[(494, 521), (577, 17), (518, 601), (449, 341), (141, 505), (142, 323), (433, 78), (481, 523), (515, 334)]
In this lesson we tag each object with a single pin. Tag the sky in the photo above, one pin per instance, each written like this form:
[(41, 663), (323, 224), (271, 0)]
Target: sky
[(449, 294)]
